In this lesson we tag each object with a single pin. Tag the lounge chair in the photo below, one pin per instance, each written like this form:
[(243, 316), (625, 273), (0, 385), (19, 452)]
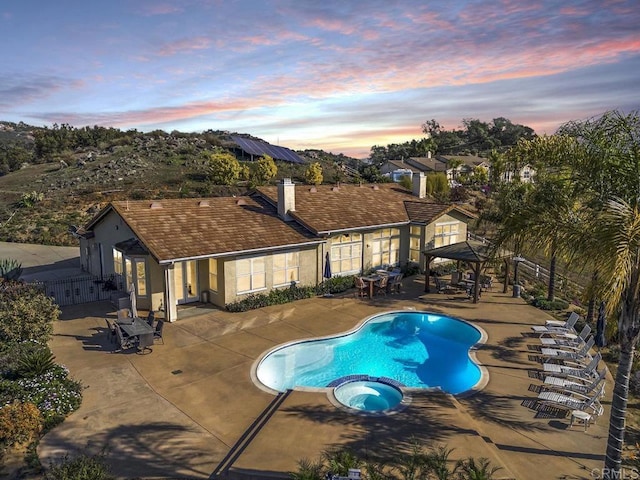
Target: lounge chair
[(573, 368), (574, 401), (565, 327), (575, 384), (566, 352), (568, 339)]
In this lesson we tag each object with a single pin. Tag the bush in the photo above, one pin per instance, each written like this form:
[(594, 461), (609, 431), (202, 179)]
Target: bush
[(19, 422), (54, 393), (543, 304), (34, 363), (83, 467), (26, 313)]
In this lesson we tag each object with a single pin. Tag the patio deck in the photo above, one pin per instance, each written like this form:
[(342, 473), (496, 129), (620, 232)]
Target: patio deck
[(176, 413)]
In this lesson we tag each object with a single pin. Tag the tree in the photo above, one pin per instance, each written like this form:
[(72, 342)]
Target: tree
[(264, 170), (608, 169), (313, 174), (224, 168), (26, 313)]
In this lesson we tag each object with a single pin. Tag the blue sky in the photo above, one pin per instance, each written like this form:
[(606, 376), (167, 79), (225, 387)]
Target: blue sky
[(339, 75)]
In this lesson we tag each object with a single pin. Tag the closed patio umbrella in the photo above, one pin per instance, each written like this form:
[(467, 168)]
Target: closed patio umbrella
[(326, 274), (600, 339), (132, 298)]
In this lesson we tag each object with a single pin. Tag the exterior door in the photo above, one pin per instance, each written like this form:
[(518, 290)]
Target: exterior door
[(185, 282)]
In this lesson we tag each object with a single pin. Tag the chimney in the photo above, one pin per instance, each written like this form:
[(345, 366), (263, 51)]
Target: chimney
[(286, 199), (429, 154), (419, 185)]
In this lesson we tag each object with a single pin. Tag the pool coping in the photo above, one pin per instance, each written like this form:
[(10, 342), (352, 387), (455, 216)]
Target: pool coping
[(472, 354)]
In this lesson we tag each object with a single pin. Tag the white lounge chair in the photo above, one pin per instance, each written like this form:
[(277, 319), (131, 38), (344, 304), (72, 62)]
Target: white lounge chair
[(575, 384), (574, 368), (573, 317), (558, 327), (567, 352), (574, 401), (569, 339)]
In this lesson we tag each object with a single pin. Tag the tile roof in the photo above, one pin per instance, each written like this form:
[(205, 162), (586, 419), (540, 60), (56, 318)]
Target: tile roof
[(421, 212), (427, 164), (327, 208), (186, 228)]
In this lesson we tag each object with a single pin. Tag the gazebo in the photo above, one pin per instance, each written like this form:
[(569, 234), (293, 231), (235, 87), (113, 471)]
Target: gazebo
[(473, 252)]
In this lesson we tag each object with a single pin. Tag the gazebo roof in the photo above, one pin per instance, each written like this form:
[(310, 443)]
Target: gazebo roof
[(468, 251)]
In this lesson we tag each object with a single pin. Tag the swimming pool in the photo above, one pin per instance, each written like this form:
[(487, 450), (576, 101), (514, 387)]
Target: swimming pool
[(416, 349)]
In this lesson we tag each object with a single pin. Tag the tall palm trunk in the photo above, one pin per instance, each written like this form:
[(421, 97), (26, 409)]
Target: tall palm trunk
[(613, 460), (551, 292)]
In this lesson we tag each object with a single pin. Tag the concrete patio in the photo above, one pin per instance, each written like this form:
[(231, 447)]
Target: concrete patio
[(178, 411)]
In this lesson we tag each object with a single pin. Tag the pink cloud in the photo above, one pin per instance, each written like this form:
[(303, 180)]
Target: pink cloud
[(185, 45)]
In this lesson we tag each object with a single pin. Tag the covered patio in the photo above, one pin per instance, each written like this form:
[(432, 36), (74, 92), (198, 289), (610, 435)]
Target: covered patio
[(472, 252)]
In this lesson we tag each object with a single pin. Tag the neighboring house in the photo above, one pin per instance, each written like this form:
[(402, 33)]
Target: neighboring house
[(524, 173), (465, 164), (222, 249)]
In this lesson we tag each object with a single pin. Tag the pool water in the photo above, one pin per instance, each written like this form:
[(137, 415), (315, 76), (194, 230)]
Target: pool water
[(416, 349), (368, 396)]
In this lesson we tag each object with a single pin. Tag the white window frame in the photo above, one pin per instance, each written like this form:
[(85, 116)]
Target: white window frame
[(415, 236), (446, 236), (253, 273), (118, 262), (291, 267), (140, 281), (351, 243), (391, 236), (213, 274)]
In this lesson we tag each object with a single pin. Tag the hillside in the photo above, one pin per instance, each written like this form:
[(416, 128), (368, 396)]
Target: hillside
[(43, 195)]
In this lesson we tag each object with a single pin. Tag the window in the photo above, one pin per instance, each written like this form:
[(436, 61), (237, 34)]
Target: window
[(346, 254), (141, 276), (250, 275), (415, 237), (213, 274), (446, 233), (286, 268), (128, 272), (385, 247), (117, 262)]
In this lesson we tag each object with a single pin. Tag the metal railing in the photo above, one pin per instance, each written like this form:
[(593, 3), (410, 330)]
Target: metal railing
[(73, 291)]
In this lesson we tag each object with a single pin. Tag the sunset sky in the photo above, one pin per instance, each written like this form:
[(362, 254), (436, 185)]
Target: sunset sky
[(339, 75)]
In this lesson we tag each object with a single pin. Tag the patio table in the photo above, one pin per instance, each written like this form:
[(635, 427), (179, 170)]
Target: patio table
[(137, 328), (371, 280)]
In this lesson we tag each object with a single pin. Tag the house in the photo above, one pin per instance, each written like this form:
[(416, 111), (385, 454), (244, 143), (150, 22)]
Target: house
[(451, 165), (525, 173), (220, 250), (462, 164)]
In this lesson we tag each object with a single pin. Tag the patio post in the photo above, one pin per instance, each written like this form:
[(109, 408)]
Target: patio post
[(427, 269)]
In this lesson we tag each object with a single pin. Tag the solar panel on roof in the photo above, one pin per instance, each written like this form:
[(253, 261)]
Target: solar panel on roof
[(256, 147)]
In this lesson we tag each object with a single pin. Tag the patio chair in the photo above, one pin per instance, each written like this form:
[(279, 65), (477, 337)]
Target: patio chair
[(486, 282), (151, 317), (570, 353), (111, 330), (575, 384), (123, 313), (396, 283), (441, 285), (471, 291), (363, 288), (157, 334), (381, 285), (574, 368), (124, 343), (553, 326), (567, 339), (574, 401), (145, 342)]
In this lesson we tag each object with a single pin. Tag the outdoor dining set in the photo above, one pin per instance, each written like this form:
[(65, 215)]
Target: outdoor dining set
[(129, 332), (381, 282)]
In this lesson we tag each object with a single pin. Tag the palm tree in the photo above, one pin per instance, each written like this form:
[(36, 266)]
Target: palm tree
[(608, 168), (481, 469)]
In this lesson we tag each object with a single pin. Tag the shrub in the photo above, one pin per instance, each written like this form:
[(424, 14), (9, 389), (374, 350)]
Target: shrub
[(543, 304), (10, 269), (19, 422), (54, 393), (34, 363), (83, 467), (26, 313)]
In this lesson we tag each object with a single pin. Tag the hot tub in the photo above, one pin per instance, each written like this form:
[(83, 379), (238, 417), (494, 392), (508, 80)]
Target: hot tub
[(368, 395)]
